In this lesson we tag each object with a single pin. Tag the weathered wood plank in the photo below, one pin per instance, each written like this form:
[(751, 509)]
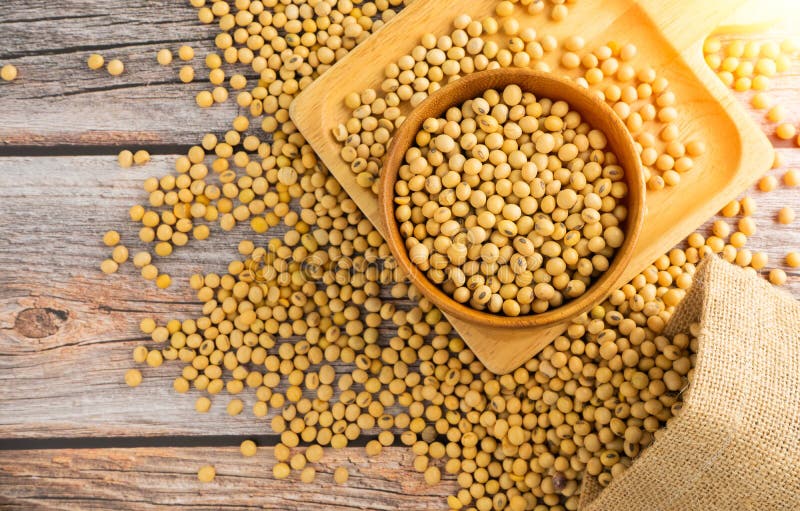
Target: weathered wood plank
[(58, 100), (147, 478), (67, 331), (39, 27)]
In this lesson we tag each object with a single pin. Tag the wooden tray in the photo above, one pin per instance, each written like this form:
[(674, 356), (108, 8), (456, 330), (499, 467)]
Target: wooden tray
[(669, 35)]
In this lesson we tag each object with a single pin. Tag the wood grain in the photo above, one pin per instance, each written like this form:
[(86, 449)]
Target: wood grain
[(147, 478), (57, 100), (667, 40)]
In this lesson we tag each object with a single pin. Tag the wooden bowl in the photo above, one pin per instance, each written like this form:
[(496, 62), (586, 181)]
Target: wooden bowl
[(543, 85)]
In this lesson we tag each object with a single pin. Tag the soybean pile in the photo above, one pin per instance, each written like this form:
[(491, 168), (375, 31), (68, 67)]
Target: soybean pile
[(299, 320)]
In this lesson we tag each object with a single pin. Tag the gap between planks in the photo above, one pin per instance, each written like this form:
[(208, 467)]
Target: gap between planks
[(184, 441), (66, 150)]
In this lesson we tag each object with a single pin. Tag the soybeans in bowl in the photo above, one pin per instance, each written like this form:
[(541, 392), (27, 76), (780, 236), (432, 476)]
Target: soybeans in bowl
[(512, 203)]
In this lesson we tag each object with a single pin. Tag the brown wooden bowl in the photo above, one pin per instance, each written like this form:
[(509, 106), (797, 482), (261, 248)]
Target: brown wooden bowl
[(594, 111)]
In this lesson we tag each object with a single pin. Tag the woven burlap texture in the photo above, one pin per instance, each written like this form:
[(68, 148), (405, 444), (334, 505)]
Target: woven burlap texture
[(736, 444)]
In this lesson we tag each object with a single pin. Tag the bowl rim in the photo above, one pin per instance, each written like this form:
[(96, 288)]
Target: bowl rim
[(469, 87)]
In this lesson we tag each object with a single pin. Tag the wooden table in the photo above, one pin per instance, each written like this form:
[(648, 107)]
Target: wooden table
[(72, 435)]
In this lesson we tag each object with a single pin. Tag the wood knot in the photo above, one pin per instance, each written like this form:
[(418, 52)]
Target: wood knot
[(39, 322)]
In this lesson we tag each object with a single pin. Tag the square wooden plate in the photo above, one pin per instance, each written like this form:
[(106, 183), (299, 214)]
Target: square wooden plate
[(668, 34)]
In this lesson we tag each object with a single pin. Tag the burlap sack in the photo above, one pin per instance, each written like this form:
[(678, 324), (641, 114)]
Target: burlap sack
[(736, 445)]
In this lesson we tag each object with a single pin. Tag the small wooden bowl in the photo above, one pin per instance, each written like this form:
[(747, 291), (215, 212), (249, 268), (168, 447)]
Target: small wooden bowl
[(594, 111)]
